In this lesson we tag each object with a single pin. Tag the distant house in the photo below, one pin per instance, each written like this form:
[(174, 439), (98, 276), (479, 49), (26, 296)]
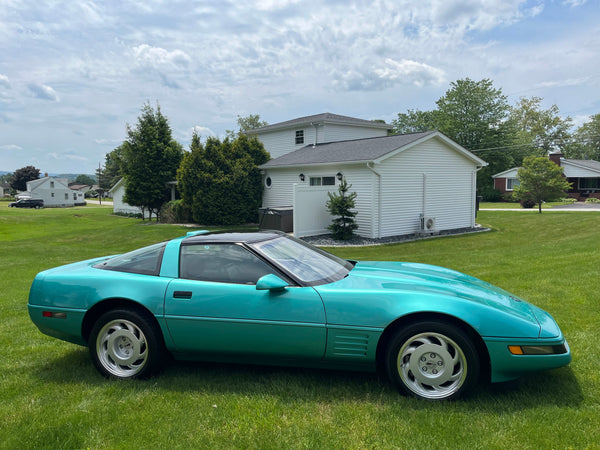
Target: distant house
[(83, 188), (117, 192), (53, 191), (119, 205), (583, 174), (405, 184), (5, 190)]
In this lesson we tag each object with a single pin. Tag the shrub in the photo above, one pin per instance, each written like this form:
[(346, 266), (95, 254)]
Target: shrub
[(568, 200), (490, 194), (592, 200), (340, 206), (508, 197), (528, 203), (175, 212)]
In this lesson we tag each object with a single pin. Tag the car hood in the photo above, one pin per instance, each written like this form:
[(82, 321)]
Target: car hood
[(404, 287)]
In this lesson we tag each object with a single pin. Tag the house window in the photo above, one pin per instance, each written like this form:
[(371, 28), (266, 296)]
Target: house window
[(75, 196), (52, 194), (66, 196), (589, 183), (299, 137), (322, 181), (52, 185), (512, 183), (268, 182)]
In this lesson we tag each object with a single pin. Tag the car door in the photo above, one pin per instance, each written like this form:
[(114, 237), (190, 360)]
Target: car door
[(215, 308)]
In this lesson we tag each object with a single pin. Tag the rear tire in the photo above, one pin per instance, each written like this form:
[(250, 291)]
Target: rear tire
[(432, 360), (125, 344)]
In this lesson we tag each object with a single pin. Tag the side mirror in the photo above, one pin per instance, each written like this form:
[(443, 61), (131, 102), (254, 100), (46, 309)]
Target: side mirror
[(270, 283)]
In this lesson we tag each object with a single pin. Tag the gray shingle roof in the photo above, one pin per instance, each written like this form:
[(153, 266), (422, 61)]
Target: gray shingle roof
[(325, 118), (587, 163), (359, 150)]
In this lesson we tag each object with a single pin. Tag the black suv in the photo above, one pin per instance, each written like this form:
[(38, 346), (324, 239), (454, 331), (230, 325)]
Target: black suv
[(27, 203)]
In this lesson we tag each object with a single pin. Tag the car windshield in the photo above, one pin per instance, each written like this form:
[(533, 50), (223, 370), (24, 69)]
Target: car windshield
[(309, 265)]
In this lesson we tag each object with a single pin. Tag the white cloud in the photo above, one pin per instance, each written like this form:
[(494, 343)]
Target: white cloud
[(4, 81), (157, 57), (574, 3), (202, 131), (43, 92), (10, 147), (410, 72)]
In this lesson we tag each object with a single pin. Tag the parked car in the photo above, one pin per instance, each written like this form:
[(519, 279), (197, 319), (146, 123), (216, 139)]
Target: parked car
[(27, 203), (268, 298)]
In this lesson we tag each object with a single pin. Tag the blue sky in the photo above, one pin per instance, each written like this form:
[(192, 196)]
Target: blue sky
[(73, 74)]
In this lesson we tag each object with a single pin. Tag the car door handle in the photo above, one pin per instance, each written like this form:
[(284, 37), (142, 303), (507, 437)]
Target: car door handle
[(182, 294)]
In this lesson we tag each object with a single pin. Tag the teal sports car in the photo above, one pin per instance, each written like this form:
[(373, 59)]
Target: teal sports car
[(268, 298)]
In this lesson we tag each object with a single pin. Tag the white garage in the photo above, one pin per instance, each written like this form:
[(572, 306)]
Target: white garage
[(405, 184)]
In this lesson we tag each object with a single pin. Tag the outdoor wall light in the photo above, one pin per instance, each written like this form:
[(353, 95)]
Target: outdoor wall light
[(339, 176), (301, 177)]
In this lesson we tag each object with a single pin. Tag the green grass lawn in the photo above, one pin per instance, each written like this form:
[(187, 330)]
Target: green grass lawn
[(52, 397)]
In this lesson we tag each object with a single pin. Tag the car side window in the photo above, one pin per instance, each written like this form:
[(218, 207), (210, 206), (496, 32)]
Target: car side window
[(145, 261), (223, 263)]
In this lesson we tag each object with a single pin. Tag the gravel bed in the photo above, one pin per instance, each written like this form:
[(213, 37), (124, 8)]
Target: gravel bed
[(326, 240)]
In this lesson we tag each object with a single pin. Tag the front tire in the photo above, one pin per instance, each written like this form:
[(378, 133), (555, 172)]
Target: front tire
[(125, 344), (432, 360)]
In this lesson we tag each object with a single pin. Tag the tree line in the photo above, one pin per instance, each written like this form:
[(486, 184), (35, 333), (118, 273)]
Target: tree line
[(219, 181), (479, 117)]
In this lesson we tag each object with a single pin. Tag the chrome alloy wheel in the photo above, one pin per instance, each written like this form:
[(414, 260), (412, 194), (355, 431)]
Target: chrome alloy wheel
[(432, 365), (122, 348)]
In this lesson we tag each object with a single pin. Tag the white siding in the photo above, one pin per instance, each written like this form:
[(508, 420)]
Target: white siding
[(430, 179), (54, 191), (280, 142), (281, 192), (335, 133)]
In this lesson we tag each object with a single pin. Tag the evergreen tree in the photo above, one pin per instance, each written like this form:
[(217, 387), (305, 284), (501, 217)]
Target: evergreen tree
[(220, 182), (340, 206), (150, 159)]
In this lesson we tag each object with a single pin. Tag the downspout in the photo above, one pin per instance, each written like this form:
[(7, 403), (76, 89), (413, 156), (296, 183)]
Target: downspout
[(316, 125), (379, 190), (474, 201)]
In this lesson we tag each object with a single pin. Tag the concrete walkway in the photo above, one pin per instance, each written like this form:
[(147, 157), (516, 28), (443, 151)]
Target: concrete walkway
[(580, 206)]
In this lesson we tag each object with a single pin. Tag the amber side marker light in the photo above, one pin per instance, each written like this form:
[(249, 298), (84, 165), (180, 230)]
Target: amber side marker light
[(537, 349)]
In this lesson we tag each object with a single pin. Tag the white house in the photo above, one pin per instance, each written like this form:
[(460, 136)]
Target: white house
[(284, 137), (583, 174), (54, 191), (405, 184), (119, 206)]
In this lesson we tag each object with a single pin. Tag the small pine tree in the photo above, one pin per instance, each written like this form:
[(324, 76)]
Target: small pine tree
[(340, 206)]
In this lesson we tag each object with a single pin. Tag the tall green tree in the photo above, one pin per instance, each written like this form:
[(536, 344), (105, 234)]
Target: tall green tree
[(540, 180), (151, 158), (538, 131), (475, 115), (220, 181), (246, 123), (415, 121), (85, 179), (586, 141), (21, 176), (113, 166)]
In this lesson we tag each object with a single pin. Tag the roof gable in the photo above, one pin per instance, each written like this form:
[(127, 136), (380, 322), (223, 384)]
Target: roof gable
[(324, 118), (362, 150)]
